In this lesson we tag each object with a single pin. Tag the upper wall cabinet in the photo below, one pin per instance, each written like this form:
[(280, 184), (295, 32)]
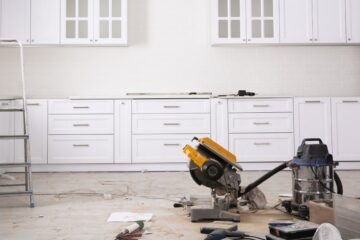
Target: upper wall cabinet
[(295, 21), (245, 21), (15, 20), (353, 21), (329, 21), (262, 21), (30, 21), (312, 21), (94, 21)]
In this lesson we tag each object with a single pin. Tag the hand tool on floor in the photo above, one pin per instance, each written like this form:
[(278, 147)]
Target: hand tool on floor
[(213, 166), (132, 232)]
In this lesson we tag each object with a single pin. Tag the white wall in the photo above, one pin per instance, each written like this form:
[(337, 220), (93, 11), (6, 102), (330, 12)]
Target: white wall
[(169, 50)]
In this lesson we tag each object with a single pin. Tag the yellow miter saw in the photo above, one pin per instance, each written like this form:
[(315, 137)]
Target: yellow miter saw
[(213, 166)]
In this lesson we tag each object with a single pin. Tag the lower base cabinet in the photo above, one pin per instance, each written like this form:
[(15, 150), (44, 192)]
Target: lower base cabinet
[(71, 149), (262, 147), (161, 148)]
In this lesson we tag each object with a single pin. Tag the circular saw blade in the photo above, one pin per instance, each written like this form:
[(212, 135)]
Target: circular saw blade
[(201, 179)]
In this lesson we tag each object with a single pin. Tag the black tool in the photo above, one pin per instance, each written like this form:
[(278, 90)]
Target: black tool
[(221, 234), (207, 230), (245, 93)]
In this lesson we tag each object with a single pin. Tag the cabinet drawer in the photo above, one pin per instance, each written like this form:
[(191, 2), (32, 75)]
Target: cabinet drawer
[(160, 148), (171, 106), (80, 106), (170, 123), (81, 124), (261, 105), (80, 149), (260, 123), (262, 147)]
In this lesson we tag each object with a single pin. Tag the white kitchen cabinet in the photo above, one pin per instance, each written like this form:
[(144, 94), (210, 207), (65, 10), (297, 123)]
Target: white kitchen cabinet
[(219, 121), (353, 21), (329, 21), (277, 147), (15, 20), (171, 106), (346, 128), (228, 21), (262, 21), (94, 21), (37, 123), (296, 21), (45, 21), (123, 131), (77, 21), (110, 22), (69, 149), (312, 118)]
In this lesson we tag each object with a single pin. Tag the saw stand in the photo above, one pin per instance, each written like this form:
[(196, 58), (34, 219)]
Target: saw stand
[(211, 208), (24, 136)]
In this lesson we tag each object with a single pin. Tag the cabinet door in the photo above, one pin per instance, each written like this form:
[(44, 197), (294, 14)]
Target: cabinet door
[(228, 21), (262, 21), (15, 20), (346, 128), (77, 21), (295, 21), (123, 131), (37, 122), (45, 21), (110, 21), (329, 21), (312, 120), (6, 128), (219, 122), (353, 21)]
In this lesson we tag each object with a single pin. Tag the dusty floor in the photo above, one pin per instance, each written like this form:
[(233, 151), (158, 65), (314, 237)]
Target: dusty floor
[(72, 205)]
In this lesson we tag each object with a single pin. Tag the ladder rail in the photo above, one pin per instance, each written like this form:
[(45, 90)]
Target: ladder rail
[(27, 155)]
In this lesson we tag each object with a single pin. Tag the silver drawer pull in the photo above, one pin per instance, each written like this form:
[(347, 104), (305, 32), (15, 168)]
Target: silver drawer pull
[(81, 145), (81, 125), (261, 105), (171, 106), (4, 104), (261, 143), (350, 101), (171, 124), (33, 104), (171, 144), (81, 107), (312, 101), (261, 123)]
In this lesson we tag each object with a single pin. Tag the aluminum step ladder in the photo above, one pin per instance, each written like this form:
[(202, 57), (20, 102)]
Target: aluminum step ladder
[(28, 190)]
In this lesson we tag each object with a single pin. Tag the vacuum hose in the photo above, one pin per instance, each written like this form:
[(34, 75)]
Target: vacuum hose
[(279, 168), (338, 182), (266, 177)]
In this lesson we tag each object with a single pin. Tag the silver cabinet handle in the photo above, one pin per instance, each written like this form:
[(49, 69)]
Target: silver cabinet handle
[(350, 101), (261, 105), (81, 107), (5, 104), (310, 101), (171, 124), (261, 123), (349, 39), (81, 125), (33, 104), (171, 144), (171, 106), (81, 145), (261, 143)]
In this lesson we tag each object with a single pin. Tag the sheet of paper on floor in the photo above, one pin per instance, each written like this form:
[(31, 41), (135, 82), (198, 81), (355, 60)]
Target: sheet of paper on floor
[(129, 217)]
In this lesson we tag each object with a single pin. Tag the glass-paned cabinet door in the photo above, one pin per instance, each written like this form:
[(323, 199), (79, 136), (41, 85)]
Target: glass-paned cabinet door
[(262, 21), (77, 21), (110, 21), (228, 21)]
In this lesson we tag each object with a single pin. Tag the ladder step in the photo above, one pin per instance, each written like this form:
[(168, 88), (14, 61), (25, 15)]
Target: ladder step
[(13, 185), (14, 136), (14, 165), (16, 193), (12, 110)]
